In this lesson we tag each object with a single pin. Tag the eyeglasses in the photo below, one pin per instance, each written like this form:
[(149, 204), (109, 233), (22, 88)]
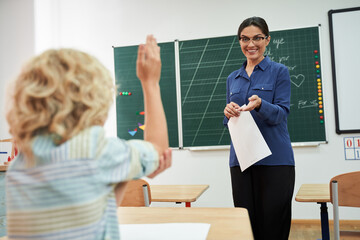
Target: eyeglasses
[(255, 40)]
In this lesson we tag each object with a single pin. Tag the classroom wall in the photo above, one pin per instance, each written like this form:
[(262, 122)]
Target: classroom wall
[(95, 26), (16, 45)]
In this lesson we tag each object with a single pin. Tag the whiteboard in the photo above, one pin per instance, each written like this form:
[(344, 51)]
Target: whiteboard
[(344, 26), (345, 53)]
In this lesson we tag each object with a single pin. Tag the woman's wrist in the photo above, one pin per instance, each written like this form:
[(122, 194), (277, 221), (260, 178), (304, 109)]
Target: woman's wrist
[(259, 106)]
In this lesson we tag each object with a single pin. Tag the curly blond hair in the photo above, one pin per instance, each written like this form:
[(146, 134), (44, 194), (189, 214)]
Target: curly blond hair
[(59, 92)]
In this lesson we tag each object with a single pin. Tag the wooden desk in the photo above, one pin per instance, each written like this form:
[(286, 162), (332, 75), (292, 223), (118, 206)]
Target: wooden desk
[(3, 168), (319, 193), (177, 193), (226, 223)]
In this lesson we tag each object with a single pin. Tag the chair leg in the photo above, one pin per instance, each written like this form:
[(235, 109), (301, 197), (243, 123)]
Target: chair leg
[(146, 195), (334, 186)]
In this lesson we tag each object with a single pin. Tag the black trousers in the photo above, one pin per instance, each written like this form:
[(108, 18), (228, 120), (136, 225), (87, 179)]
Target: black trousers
[(266, 192)]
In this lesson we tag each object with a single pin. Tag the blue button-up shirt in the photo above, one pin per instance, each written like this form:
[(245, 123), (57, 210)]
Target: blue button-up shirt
[(271, 82)]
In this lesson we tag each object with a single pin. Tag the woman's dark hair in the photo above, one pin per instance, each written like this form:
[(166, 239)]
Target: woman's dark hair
[(254, 21)]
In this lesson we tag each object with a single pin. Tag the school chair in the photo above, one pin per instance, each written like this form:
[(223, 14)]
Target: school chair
[(135, 193), (345, 191)]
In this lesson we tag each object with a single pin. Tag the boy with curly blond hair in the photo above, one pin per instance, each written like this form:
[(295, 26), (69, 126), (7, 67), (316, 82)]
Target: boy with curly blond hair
[(61, 185)]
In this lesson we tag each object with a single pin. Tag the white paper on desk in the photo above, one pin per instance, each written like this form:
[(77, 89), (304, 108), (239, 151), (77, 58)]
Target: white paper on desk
[(249, 144), (164, 231)]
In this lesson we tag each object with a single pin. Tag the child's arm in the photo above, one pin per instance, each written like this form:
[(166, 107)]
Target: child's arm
[(148, 70)]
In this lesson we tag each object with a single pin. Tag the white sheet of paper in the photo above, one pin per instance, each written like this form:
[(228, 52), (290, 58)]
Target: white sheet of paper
[(249, 144), (164, 231)]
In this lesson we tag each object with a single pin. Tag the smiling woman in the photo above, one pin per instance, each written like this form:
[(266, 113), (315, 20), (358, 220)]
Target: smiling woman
[(253, 47), (262, 87)]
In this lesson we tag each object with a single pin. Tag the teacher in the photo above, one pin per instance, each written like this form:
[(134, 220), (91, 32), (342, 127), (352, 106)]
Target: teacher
[(262, 87)]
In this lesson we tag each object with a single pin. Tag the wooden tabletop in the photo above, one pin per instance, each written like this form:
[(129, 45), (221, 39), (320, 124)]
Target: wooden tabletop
[(176, 193), (226, 223), (3, 168), (313, 193)]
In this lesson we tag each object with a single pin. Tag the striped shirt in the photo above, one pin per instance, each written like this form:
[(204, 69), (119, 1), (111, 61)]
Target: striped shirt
[(69, 194)]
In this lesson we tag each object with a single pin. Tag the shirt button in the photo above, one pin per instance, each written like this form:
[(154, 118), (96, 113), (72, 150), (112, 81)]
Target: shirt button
[(262, 88), (231, 93)]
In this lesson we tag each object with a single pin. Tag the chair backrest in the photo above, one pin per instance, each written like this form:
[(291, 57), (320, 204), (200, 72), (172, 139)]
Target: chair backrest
[(135, 193), (348, 189), (344, 191)]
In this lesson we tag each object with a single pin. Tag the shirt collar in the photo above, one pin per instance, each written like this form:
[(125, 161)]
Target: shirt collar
[(262, 65)]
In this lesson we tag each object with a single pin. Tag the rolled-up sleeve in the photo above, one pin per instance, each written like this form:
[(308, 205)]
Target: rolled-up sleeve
[(125, 160)]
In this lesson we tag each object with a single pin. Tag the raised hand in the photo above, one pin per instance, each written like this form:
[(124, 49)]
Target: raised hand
[(148, 64)]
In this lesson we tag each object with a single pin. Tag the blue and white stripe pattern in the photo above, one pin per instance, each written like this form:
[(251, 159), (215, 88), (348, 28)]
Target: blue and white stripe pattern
[(69, 194)]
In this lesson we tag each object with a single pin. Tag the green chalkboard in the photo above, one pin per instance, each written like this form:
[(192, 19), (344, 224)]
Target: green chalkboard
[(204, 65), (129, 107), (299, 50)]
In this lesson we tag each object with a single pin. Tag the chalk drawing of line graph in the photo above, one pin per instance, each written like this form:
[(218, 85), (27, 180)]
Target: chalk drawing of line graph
[(205, 65)]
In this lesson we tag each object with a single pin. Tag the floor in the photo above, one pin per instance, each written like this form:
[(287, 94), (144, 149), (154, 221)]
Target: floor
[(311, 229)]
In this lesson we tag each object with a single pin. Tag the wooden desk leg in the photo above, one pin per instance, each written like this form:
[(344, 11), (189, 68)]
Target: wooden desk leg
[(325, 233), (187, 204)]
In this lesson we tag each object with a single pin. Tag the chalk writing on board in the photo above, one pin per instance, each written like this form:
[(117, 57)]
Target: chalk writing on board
[(279, 59), (290, 67), (283, 59), (307, 103), (268, 53), (278, 42)]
